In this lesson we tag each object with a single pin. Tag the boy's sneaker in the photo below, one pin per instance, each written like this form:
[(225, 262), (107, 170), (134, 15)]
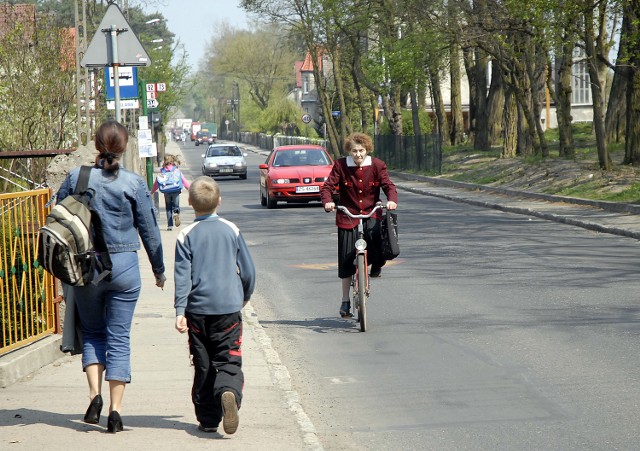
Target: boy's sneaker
[(376, 271), (230, 418), (169, 229), (345, 310), (176, 219), (206, 429)]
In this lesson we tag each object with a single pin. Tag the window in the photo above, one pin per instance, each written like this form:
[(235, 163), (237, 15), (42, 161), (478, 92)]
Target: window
[(305, 84), (581, 88)]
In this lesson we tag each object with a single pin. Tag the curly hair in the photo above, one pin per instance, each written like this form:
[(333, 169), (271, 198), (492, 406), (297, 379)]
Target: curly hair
[(358, 138)]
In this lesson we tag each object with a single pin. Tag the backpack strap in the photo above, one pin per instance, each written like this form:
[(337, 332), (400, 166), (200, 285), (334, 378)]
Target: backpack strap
[(100, 245), (83, 180), (104, 264)]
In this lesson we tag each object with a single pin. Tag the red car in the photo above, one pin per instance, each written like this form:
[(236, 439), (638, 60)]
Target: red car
[(294, 174)]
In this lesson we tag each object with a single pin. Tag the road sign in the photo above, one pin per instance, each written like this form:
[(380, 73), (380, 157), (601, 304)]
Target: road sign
[(161, 87), (152, 103), (128, 83), (335, 113), (306, 118), (150, 87), (130, 51), (151, 95), (125, 104)]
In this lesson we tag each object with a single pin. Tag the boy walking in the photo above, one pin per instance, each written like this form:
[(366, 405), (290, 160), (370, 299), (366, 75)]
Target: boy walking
[(214, 279)]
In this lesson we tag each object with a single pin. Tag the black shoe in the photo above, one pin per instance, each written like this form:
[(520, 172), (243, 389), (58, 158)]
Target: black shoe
[(376, 271), (93, 412), (114, 424), (230, 418), (345, 310), (206, 429)]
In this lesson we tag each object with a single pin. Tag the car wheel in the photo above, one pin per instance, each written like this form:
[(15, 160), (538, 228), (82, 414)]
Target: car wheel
[(271, 203), (243, 177), (263, 200), (196, 143)]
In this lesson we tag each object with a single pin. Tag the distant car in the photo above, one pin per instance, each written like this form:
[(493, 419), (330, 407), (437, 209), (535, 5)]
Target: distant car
[(204, 138), (294, 174), (224, 159)]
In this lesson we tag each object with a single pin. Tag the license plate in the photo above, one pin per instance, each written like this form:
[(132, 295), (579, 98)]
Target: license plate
[(307, 189), (225, 170)]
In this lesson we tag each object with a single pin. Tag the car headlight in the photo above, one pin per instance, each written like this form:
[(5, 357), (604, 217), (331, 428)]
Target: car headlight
[(280, 181), (213, 165), (240, 164)]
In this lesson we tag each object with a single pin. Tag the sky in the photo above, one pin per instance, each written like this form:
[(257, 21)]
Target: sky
[(194, 21)]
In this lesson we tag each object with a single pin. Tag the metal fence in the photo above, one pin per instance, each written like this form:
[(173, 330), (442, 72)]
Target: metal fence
[(414, 153), (28, 294)]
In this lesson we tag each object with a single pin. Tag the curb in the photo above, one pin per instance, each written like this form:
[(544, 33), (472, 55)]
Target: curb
[(28, 359)]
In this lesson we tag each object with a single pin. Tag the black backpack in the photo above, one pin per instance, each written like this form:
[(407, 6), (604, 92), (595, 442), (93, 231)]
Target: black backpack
[(71, 237)]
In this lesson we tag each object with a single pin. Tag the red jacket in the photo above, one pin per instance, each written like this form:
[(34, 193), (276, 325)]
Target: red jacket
[(359, 188)]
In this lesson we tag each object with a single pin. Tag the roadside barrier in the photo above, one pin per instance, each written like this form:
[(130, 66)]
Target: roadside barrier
[(29, 303)]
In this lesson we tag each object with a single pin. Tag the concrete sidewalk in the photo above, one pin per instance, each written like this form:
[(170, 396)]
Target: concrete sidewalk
[(44, 410)]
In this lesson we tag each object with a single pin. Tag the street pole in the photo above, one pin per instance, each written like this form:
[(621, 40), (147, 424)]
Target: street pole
[(238, 123), (143, 90)]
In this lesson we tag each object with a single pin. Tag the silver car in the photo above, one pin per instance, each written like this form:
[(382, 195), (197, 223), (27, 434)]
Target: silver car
[(224, 159)]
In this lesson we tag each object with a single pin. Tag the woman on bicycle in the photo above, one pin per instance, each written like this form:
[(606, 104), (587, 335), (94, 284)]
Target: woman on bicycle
[(359, 178)]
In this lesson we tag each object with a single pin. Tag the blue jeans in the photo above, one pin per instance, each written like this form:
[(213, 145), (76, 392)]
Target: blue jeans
[(172, 204), (106, 313)]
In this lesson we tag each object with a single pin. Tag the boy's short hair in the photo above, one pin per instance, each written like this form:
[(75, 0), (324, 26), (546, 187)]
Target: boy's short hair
[(204, 194)]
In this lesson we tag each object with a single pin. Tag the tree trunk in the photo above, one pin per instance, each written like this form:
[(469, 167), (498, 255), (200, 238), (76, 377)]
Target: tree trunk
[(632, 51), (470, 69), (495, 102), (441, 115), (415, 116), (481, 140), (457, 118), (596, 93), (615, 119), (562, 97), (362, 103), (393, 110), (510, 126)]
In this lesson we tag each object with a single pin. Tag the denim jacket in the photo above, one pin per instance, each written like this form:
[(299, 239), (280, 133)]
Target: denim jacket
[(124, 204)]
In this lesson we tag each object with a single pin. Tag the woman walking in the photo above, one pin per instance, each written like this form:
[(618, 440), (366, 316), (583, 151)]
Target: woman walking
[(105, 310)]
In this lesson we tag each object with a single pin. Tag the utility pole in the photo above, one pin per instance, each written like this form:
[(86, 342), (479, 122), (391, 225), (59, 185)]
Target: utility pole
[(83, 75), (238, 106)]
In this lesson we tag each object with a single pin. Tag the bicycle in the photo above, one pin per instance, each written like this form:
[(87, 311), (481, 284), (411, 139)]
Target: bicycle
[(360, 280)]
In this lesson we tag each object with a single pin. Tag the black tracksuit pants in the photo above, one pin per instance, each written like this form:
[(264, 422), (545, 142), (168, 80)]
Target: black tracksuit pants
[(214, 343)]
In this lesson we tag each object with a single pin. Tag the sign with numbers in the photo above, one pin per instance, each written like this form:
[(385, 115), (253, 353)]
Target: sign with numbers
[(151, 87), (151, 95), (306, 118), (161, 87), (152, 103)]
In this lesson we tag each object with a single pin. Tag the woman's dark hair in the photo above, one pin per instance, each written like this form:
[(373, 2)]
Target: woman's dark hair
[(111, 141)]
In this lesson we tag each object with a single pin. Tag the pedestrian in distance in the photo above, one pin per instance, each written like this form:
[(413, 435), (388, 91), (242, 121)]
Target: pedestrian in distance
[(170, 182), (105, 309), (208, 305), (359, 178)]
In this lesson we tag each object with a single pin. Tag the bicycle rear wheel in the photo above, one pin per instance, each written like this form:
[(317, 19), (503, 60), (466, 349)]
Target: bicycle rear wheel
[(362, 292)]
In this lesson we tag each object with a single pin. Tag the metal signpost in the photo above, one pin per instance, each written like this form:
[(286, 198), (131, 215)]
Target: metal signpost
[(115, 45)]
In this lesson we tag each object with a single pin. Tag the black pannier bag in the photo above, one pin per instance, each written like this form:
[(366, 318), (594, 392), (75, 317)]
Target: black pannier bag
[(389, 232)]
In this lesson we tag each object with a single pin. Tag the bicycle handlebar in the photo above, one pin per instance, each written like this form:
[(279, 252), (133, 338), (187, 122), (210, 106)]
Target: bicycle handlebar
[(351, 215)]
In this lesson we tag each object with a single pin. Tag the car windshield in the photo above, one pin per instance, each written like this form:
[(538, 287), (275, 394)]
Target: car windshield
[(228, 151), (302, 157)]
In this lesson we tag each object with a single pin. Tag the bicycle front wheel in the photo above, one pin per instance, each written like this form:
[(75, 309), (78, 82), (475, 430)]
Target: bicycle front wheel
[(362, 292)]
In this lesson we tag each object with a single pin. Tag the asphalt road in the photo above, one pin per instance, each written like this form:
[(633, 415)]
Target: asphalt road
[(490, 331)]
